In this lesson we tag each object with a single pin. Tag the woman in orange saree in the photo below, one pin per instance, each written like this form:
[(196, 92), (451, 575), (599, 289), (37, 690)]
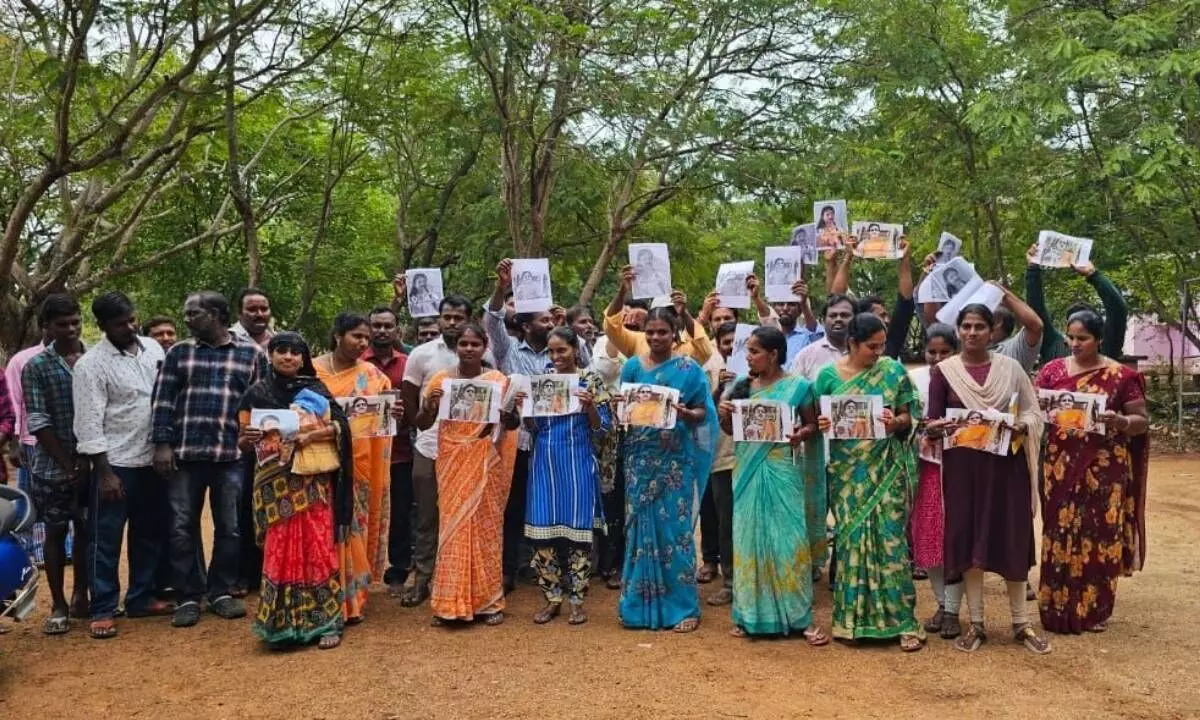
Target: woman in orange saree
[(364, 552), (474, 473)]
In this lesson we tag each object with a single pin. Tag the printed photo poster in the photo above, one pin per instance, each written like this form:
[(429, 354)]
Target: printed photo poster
[(946, 280), (949, 247), (854, 417), (531, 285), (424, 291), (467, 400), (981, 430), (648, 405), (1055, 250), (783, 267), (651, 270), (737, 363), (765, 421), (369, 415), (976, 292), (805, 238), (830, 218), (1073, 410), (877, 241), (731, 283), (279, 429), (553, 395)]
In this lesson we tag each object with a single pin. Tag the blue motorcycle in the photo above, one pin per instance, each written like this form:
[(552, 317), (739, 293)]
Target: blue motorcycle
[(18, 574)]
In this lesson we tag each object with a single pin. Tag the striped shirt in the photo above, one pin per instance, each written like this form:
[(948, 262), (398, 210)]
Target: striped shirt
[(46, 384), (197, 394)]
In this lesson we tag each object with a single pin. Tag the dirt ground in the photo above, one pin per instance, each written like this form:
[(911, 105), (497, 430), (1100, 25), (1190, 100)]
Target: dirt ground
[(396, 666)]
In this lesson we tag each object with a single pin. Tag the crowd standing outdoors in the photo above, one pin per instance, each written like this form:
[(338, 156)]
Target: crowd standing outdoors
[(130, 437)]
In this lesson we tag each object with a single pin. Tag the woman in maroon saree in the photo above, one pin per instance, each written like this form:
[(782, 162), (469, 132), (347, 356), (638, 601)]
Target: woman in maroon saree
[(1093, 488)]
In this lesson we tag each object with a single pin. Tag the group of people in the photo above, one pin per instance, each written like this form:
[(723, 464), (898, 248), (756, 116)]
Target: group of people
[(140, 428)]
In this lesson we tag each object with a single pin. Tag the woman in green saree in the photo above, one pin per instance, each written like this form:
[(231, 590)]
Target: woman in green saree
[(772, 578), (871, 485)]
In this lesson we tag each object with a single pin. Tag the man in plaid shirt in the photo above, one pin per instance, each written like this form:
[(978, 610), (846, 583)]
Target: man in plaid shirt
[(58, 476), (195, 437)]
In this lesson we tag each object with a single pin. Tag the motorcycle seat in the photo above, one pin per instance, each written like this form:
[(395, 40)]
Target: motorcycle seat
[(10, 516)]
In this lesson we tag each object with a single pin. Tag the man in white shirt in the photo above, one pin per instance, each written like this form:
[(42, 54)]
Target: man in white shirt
[(839, 310), (112, 390), (423, 362)]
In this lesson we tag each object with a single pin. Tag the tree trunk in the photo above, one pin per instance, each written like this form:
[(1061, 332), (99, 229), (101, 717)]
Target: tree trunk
[(599, 269), (237, 185)]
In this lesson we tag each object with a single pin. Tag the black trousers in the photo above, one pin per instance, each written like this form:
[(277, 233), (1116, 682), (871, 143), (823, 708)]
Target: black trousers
[(250, 557), (400, 536), (710, 533), (612, 544), (514, 516), (721, 485)]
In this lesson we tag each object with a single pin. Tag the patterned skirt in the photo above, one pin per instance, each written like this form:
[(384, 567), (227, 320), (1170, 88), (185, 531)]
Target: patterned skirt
[(302, 594)]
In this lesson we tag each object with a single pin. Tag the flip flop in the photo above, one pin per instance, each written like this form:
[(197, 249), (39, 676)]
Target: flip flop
[(102, 629), (56, 625)]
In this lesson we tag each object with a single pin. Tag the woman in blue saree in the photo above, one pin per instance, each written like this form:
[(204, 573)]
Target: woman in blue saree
[(665, 472), (871, 486), (772, 545)]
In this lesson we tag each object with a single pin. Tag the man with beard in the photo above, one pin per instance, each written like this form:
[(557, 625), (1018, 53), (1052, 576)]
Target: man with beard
[(528, 356), (423, 363), (839, 309), (382, 353), (254, 317)]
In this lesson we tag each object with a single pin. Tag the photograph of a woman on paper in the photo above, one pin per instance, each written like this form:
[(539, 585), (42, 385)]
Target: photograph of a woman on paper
[(1069, 414), (468, 406), (781, 272), (875, 243), (421, 299), (549, 398), (852, 422), (529, 287), (648, 278), (828, 229), (762, 425), (646, 408), (976, 434)]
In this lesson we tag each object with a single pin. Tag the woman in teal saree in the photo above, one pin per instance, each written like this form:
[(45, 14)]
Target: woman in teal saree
[(665, 472), (773, 552), (871, 484)]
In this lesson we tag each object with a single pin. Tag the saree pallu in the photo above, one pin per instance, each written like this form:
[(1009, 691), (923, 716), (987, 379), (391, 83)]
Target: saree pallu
[(665, 472), (871, 484), (773, 542), (364, 551), (474, 473), (302, 593), (1093, 497)]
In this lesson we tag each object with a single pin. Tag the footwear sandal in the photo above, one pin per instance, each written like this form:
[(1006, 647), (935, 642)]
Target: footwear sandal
[(934, 624), (329, 642), (436, 621), (156, 608), (687, 625), (1033, 642), (1097, 628), (102, 629), (56, 625), (972, 639), (578, 616), (613, 582), (951, 627), (910, 642), (739, 632), (548, 613), (816, 637), (706, 574), (495, 618)]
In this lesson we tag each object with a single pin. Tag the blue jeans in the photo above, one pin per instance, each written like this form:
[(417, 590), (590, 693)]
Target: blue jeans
[(185, 494), (145, 508)]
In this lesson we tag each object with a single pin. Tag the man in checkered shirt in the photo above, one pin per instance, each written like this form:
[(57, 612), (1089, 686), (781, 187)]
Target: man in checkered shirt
[(195, 437)]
